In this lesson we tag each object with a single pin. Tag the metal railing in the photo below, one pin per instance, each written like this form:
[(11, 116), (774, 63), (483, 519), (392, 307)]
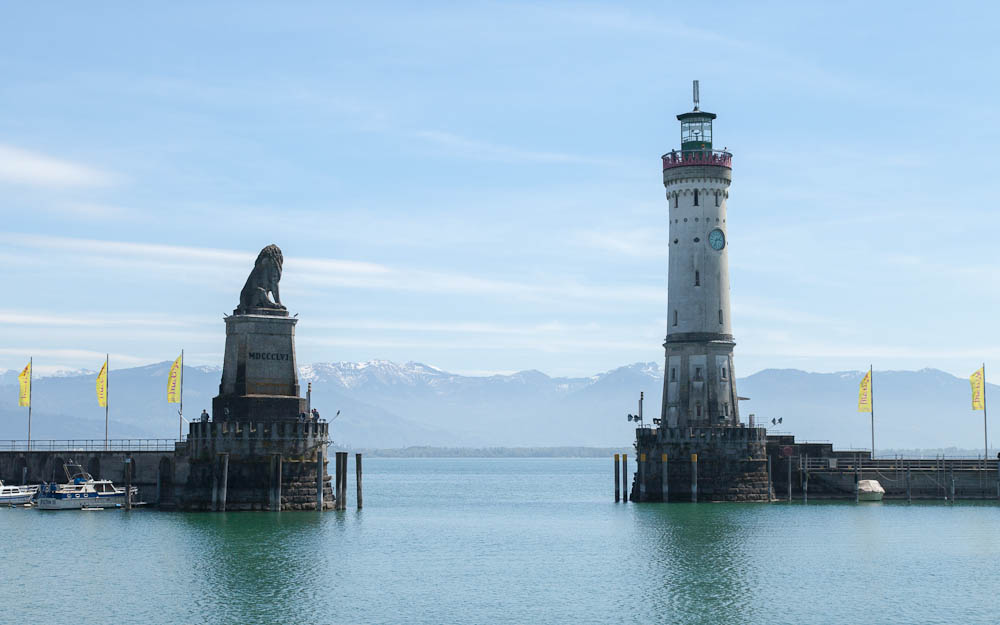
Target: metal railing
[(896, 464), (686, 158), (68, 445)]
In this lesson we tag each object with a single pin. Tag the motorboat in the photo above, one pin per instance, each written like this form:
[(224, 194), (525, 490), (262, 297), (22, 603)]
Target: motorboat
[(81, 491), (870, 490), (16, 495)]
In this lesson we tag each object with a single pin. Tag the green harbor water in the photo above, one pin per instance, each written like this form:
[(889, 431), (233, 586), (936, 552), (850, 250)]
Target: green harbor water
[(506, 541)]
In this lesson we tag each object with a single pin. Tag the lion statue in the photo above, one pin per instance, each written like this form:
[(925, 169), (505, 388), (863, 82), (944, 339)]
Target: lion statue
[(263, 280)]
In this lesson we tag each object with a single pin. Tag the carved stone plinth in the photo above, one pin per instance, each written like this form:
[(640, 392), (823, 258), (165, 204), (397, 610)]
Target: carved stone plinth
[(260, 379)]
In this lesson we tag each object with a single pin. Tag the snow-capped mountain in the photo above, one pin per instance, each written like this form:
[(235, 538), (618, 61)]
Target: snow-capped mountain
[(388, 404)]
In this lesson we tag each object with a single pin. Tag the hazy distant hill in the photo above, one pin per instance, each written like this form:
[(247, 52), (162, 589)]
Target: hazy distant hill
[(385, 404)]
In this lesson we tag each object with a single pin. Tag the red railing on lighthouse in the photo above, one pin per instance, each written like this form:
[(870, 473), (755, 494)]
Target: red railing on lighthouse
[(688, 158)]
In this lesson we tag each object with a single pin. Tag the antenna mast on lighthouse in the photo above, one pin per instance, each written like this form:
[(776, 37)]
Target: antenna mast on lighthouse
[(696, 97)]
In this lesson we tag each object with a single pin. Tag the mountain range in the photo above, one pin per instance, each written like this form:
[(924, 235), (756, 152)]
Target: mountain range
[(384, 404)]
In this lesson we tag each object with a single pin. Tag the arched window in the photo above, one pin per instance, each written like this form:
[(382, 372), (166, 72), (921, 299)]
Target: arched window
[(675, 317), (720, 316), (673, 374), (697, 279), (717, 199), (677, 200), (696, 197)]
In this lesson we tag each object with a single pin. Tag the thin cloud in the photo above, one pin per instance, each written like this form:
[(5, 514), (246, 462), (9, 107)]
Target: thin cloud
[(20, 166), (471, 148)]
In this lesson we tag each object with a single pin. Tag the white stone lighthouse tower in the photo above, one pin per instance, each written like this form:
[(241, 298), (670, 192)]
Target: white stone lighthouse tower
[(698, 386)]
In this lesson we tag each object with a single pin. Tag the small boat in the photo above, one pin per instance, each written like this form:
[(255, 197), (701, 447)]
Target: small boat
[(16, 495), (870, 490), (81, 491)]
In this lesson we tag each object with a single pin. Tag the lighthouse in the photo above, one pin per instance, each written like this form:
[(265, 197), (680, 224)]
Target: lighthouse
[(698, 385), (698, 450)]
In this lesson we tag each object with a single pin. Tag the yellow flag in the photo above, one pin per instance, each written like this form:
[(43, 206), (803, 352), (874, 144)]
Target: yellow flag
[(865, 394), (174, 382), (102, 386), (24, 398), (978, 382)]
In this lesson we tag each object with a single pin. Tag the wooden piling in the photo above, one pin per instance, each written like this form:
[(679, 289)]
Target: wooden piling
[(274, 498), (805, 482), (642, 477), (319, 477), (857, 493), (789, 479), (909, 477), (770, 481), (625, 492), (694, 478), (952, 473), (357, 476), (618, 482), (343, 479), (664, 478), (337, 479), (128, 483), (222, 479)]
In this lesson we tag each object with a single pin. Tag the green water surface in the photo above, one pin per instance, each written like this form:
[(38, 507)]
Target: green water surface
[(506, 541)]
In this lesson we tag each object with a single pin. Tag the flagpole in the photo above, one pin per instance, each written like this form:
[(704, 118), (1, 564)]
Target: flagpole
[(871, 392), (31, 372), (180, 413), (986, 445), (107, 397)]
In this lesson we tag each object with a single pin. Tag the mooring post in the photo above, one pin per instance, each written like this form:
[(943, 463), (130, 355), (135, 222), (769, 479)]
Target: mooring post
[(770, 482), (789, 458), (337, 476), (909, 477), (952, 473), (274, 500), (128, 483), (857, 477), (694, 478), (357, 476), (664, 478), (223, 481), (805, 479), (343, 479), (625, 493), (319, 478), (618, 481), (642, 477)]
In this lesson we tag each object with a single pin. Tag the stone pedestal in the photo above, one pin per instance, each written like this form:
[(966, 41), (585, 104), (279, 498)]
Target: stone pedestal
[(260, 379), (731, 464)]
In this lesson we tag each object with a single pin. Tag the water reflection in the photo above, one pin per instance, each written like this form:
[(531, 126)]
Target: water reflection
[(700, 566), (264, 567)]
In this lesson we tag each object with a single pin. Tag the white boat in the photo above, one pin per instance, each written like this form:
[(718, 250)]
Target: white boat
[(870, 490), (16, 495), (81, 491)]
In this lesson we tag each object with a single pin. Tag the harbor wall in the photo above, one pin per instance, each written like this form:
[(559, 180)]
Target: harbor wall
[(153, 471)]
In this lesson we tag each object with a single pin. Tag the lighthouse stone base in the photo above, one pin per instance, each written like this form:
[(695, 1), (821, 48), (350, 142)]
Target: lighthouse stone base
[(730, 465)]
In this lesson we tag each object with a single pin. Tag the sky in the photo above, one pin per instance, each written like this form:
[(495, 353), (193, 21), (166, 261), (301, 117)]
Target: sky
[(477, 186)]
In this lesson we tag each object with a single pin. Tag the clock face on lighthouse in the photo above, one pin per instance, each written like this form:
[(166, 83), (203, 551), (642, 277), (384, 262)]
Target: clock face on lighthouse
[(717, 239)]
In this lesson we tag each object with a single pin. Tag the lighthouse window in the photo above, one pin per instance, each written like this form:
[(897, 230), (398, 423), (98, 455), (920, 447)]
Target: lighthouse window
[(716, 201), (675, 317), (720, 316), (697, 373), (696, 197), (675, 241), (723, 373), (725, 409), (697, 279), (673, 374), (676, 200), (697, 409)]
